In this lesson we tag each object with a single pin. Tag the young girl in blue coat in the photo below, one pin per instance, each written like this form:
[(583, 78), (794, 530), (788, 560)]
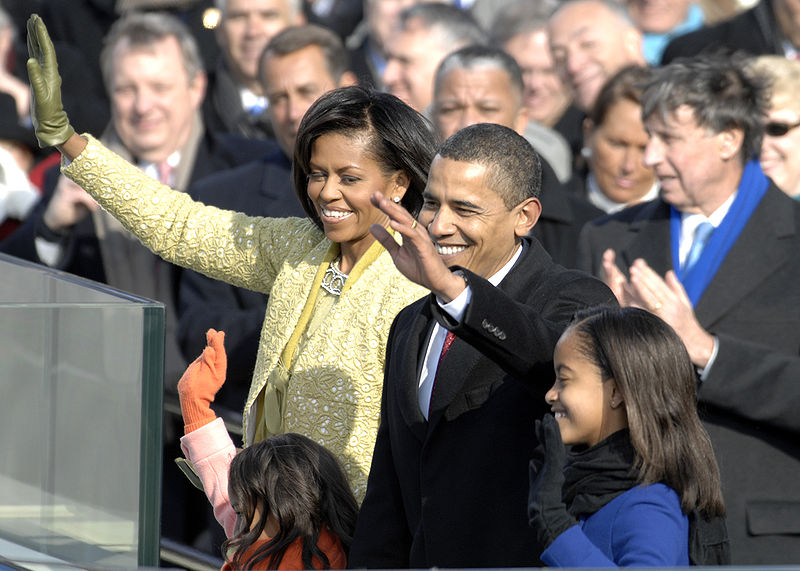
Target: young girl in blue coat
[(640, 486)]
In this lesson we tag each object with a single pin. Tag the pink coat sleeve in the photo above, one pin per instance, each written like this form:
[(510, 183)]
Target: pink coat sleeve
[(209, 450)]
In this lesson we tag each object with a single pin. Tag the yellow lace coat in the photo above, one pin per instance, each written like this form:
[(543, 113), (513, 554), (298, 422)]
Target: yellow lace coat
[(335, 389)]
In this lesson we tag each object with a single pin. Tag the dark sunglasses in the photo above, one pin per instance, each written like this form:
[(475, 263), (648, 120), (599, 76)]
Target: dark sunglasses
[(775, 129)]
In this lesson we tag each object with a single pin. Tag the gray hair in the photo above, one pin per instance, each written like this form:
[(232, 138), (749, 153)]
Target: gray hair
[(521, 17), (514, 168), (720, 92), (475, 57), (144, 29), (453, 27)]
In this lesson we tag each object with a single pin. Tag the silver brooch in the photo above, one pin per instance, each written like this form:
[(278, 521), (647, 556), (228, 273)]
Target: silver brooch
[(333, 280)]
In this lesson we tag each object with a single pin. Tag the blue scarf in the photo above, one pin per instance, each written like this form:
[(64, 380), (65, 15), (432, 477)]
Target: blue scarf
[(751, 190)]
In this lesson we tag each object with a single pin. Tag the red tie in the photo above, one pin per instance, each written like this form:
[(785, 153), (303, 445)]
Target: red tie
[(448, 341)]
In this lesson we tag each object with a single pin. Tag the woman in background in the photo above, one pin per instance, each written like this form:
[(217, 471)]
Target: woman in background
[(614, 144), (780, 147)]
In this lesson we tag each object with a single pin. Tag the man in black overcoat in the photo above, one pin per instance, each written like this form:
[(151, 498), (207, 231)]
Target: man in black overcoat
[(737, 307), (448, 485)]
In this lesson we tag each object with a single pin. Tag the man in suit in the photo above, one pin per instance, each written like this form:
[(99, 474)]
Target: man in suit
[(299, 64), (448, 484), (424, 34), (236, 101), (480, 84), (735, 305)]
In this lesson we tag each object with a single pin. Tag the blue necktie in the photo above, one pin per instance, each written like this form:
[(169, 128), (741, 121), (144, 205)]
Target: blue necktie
[(701, 236)]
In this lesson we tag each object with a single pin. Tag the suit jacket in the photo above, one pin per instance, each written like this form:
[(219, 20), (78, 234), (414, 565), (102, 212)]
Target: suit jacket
[(260, 188), (753, 31), (749, 400), (452, 491), (223, 111)]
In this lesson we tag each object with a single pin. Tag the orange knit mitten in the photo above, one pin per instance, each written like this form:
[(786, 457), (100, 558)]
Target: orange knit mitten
[(201, 381)]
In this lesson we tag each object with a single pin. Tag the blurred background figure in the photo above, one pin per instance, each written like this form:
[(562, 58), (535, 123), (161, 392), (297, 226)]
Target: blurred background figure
[(780, 147), (591, 40), (662, 20), (615, 141), (367, 42), (235, 101), (520, 28), (81, 87), (768, 27), (81, 26), (424, 35), (18, 195)]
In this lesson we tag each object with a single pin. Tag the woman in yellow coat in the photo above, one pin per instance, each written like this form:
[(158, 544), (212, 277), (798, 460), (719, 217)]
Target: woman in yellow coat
[(333, 290)]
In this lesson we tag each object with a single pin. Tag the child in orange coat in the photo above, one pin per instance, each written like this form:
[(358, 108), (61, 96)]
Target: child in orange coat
[(284, 502)]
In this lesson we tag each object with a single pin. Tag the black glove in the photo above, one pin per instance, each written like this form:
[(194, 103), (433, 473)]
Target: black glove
[(547, 513)]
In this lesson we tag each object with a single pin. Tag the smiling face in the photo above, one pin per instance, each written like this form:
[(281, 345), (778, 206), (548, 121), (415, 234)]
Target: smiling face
[(245, 30), (469, 96), (587, 408), (468, 222), (698, 170), (342, 177), (589, 44), (780, 156), (617, 159), (546, 97), (153, 101)]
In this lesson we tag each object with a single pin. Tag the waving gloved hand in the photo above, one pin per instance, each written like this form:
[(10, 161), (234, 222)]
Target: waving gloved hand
[(547, 513), (201, 381), (50, 121)]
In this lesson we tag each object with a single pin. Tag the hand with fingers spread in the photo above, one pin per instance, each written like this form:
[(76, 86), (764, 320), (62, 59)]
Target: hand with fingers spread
[(50, 121), (547, 512), (201, 382), (667, 298), (417, 258)]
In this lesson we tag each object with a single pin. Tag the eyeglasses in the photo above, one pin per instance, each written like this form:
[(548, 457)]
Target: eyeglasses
[(775, 129)]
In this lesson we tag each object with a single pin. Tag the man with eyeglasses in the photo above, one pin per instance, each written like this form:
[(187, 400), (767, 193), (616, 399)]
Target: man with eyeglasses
[(716, 257)]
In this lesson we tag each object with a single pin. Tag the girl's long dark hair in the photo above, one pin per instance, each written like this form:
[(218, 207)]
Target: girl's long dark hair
[(302, 485), (657, 381)]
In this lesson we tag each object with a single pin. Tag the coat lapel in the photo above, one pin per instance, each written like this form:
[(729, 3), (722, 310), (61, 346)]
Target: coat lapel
[(413, 344), (759, 251), (649, 239)]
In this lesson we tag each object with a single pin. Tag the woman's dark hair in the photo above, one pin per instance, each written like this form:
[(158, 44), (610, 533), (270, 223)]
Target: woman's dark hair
[(302, 486), (397, 138), (655, 376), (625, 85)]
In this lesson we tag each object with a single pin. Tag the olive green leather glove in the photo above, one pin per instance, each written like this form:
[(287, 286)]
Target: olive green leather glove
[(50, 121)]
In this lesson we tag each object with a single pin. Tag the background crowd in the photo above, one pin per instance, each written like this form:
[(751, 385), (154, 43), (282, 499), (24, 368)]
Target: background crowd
[(664, 115)]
